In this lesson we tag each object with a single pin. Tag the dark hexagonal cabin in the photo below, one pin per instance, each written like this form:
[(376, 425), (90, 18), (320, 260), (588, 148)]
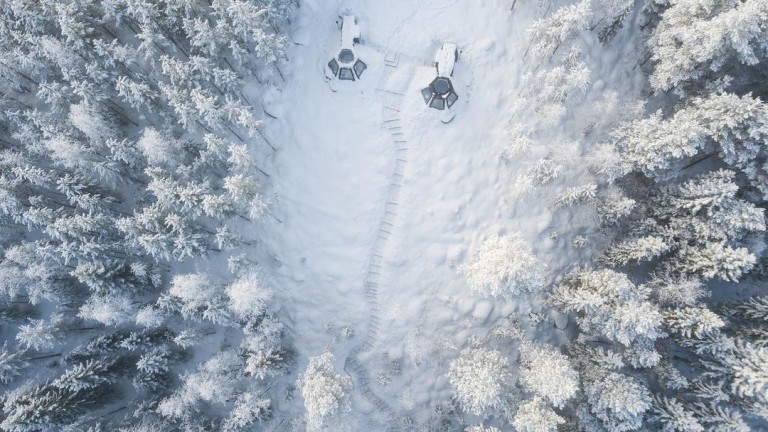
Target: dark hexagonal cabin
[(440, 95), (346, 66)]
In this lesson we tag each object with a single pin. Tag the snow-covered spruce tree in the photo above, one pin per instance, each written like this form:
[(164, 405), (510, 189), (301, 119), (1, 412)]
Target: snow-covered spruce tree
[(217, 381), (55, 404), (538, 174), (548, 35), (576, 195), (608, 17), (728, 374), (263, 347), (556, 87), (111, 310), (723, 124), (480, 380), (324, 391), (11, 364), (673, 415), (38, 334), (610, 307), (613, 397), (504, 267), (747, 319), (669, 291), (700, 227), (618, 401), (693, 38)]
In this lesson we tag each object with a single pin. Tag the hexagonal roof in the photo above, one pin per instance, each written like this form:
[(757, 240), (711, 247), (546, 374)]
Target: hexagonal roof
[(441, 86), (440, 93), (346, 56)]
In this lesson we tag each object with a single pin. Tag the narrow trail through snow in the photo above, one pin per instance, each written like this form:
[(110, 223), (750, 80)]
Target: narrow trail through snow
[(373, 278)]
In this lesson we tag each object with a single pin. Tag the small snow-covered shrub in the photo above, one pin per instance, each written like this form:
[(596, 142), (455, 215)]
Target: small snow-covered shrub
[(504, 267), (325, 392), (480, 380)]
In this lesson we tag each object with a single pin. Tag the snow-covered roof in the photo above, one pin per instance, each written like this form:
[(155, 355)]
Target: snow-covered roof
[(446, 59), (350, 31)]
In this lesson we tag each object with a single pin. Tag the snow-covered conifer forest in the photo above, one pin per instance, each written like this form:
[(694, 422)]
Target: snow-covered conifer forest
[(209, 223)]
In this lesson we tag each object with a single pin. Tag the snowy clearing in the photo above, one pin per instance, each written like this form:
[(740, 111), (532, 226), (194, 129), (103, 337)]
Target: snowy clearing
[(340, 188)]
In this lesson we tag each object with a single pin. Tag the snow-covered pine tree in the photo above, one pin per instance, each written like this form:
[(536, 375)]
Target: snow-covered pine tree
[(609, 306), (551, 34), (724, 124), (38, 334), (11, 363), (199, 298), (618, 401), (504, 267), (547, 374), (673, 416), (249, 408), (324, 391), (249, 296), (480, 379), (535, 415), (698, 228)]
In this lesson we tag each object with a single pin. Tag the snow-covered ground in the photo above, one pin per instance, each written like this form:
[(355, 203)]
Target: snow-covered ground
[(372, 187)]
